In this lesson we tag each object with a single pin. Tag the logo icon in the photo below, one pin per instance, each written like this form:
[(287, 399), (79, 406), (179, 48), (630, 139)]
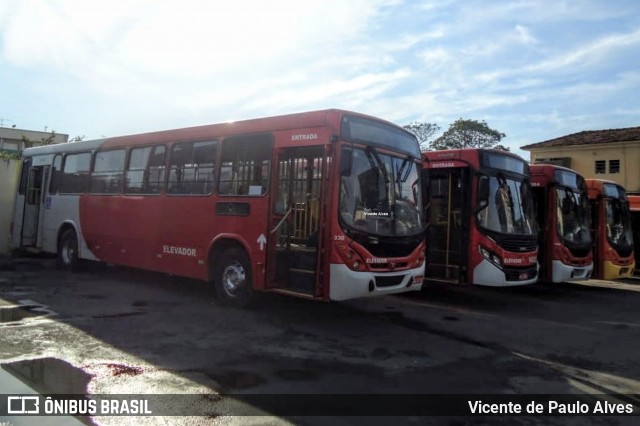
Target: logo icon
[(23, 405)]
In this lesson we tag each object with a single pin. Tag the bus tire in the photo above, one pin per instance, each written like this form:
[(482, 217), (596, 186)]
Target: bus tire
[(232, 279), (68, 250)]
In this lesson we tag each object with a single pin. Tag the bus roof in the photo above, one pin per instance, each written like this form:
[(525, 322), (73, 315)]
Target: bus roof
[(467, 154), (544, 168), (596, 187), (258, 125)]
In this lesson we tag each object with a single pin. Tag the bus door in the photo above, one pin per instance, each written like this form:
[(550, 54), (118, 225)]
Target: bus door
[(33, 211), (296, 215), (447, 214)]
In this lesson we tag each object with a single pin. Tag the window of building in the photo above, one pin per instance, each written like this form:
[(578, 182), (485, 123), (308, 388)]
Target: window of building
[(245, 165), (75, 173), (145, 172), (106, 177), (601, 167), (614, 166), (191, 167)]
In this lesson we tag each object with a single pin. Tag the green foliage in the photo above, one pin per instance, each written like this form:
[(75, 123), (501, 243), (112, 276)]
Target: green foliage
[(423, 132), (28, 143), (469, 134), (10, 155)]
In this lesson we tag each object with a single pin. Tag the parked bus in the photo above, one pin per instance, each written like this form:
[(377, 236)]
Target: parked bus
[(611, 230), (564, 221), (324, 205), (481, 227), (634, 207)]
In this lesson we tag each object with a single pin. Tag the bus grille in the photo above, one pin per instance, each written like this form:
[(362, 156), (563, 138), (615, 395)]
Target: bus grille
[(520, 274), (383, 281), (518, 245)]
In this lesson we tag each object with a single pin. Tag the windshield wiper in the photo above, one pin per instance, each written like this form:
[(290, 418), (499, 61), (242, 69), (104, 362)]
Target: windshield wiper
[(371, 153), (373, 156)]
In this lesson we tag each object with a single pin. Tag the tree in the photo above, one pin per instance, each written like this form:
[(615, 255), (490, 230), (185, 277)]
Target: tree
[(28, 143), (468, 134), (423, 132)]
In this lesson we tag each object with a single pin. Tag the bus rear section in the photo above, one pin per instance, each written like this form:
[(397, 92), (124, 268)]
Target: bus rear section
[(564, 220), (480, 219), (323, 205), (611, 230)]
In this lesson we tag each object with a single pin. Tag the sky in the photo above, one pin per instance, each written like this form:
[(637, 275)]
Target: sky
[(534, 70)]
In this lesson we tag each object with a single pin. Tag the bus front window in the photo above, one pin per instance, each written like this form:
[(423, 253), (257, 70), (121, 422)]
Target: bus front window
[(619, 231), (380, 196), (508, 208), (572, 216)]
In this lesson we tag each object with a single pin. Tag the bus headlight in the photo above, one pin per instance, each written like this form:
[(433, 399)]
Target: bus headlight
[(491, 256), (350, 257)]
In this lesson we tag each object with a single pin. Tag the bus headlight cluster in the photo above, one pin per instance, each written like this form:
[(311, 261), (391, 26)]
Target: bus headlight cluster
[(350, 257), (490, 256)]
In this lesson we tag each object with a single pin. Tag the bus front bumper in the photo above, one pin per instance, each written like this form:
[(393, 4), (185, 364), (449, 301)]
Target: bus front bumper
[(486, 273), (611, 271), (561, 272), (348, 284)]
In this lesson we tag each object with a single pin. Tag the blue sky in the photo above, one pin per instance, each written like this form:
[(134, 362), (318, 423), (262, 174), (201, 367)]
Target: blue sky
[(534, 70)]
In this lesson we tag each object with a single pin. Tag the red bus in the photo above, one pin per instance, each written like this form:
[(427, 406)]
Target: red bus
[(634, 207), (324, 205), (611, 230), (480, 219), (564, 221)]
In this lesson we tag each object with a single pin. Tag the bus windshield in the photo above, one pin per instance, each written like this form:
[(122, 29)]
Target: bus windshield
[(508, 208), (619, 231), (573, 216), (381, 194)]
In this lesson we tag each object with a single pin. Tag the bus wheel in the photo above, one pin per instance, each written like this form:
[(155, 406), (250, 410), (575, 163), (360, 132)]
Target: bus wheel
[(233, 279), (68, 250)]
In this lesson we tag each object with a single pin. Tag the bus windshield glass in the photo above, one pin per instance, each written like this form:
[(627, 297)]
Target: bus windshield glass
[(619, 231), (501, 161), (381, 194), (573, 214), (359, 129), (508, 208)]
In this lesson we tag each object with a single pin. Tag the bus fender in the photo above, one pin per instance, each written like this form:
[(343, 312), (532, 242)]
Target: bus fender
[(222, 242), (83, 250)]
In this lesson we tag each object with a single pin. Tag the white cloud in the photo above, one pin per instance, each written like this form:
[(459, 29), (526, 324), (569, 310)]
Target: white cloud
[(141, 46), (524, 35)]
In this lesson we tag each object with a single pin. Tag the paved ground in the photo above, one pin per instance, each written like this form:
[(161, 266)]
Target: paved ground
[(111, 330)]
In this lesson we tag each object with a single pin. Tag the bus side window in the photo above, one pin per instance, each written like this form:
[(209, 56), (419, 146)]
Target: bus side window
[(56, 172), (75, 173), (145, 171), (106, 177), (245, 165), (191, 168), (24, 176)]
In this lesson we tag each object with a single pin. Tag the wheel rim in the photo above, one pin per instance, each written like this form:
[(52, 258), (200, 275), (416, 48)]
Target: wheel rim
[(68, 252), (233, 279)]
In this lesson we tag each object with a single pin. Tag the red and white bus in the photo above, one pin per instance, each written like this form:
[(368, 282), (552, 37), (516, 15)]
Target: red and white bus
[(611, 230), (564, 221), (634, 207), (324, 205), (480, 219)]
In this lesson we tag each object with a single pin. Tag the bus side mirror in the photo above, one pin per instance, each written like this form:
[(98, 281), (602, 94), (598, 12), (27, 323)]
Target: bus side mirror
[(483, 192), (345, 161)]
